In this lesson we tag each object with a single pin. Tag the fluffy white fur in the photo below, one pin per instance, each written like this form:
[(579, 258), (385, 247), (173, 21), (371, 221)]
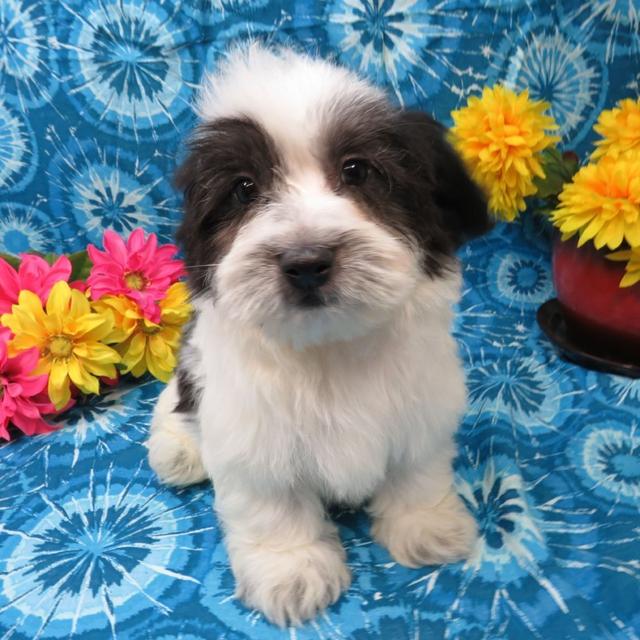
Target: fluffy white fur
[(174, 443), (301, 407), (290, 95)]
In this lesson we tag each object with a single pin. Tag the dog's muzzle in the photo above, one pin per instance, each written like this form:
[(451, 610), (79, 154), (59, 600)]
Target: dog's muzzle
[(306, 270)]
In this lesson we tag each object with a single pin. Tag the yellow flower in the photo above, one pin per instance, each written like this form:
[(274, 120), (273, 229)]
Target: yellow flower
[(125, 315), (602, 204), (142, 344), (68, 335), (632, 270), (501, 137), (620, 130)]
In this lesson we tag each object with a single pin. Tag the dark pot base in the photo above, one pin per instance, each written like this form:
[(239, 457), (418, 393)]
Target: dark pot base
[(588, 346)]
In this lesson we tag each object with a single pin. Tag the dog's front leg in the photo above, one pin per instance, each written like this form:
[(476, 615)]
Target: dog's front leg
[(285, 554), (418, 515)]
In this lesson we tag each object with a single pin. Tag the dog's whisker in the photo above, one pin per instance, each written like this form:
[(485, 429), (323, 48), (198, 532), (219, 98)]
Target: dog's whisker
[(202, 266)]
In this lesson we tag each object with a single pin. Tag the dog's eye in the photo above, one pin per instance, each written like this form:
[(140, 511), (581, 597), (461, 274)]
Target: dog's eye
[(354, 172), (245, 190)]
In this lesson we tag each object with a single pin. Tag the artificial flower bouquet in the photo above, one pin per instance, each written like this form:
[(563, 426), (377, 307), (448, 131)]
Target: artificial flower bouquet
[(70, 325), (509, 146), (507, 142)]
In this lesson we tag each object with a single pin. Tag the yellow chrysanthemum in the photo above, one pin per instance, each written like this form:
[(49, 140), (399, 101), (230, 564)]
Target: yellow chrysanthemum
[(501, 137), (632, 270), (602, 204), (143, 345), (68, 335), (620, 130)]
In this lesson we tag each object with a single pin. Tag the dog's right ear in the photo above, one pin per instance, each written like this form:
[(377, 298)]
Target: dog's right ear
[(185, 180), (462, 204), (191, 180), (198, 175), (202, 179)]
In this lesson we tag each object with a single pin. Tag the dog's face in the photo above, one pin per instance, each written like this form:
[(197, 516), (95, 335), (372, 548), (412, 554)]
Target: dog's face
[(312, 207)]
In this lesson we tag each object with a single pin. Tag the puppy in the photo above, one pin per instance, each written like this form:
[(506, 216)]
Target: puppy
[(319, 232)]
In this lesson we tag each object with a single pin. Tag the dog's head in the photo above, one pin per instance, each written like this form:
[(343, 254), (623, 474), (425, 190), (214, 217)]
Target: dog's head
[(313, 208)]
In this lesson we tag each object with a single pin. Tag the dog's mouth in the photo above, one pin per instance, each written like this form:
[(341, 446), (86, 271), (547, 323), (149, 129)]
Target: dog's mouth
[(311, 300), (315, 299)]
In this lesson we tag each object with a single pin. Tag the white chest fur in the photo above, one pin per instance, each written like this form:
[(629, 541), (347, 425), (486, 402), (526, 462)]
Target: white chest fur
[(333, 418)]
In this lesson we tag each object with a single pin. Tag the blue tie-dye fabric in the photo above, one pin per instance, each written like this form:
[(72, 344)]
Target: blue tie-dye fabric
[(95, 98)]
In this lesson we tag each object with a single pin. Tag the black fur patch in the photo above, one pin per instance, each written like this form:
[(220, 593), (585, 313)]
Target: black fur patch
[(188, 393), (462, 206), (220, 153), (418, 186)]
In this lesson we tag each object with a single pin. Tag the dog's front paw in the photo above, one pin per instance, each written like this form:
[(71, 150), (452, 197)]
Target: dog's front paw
[(173, 453), (290, 586), (423, 535)]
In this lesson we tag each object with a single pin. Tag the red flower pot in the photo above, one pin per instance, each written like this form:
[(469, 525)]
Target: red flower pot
[(599, 314)]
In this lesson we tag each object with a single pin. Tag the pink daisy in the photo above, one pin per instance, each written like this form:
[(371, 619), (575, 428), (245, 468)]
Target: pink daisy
[(23, 397), (138, 269), (34, 274)]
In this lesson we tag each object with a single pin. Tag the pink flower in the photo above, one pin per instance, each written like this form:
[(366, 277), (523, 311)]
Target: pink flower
[(23, 397), (138, 269), (34, 274)]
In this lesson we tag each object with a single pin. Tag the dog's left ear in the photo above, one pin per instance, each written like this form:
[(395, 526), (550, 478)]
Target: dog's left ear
[(461, 205)]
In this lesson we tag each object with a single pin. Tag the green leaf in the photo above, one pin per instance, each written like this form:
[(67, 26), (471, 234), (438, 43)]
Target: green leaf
[(49, 257), (551, 185), (14, 261), (571, 162), (559, 168), (80, 265)]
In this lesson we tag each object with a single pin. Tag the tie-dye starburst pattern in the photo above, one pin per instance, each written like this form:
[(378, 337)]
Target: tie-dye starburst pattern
[(95, 101)]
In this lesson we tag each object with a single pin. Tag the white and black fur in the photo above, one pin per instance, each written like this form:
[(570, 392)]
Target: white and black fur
[(319, 232)]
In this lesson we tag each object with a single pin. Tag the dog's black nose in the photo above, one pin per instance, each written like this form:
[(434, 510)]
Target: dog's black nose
[(307, 268)]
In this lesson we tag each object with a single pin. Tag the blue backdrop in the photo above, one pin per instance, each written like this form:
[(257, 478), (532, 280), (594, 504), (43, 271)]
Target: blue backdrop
[(95, 100)]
